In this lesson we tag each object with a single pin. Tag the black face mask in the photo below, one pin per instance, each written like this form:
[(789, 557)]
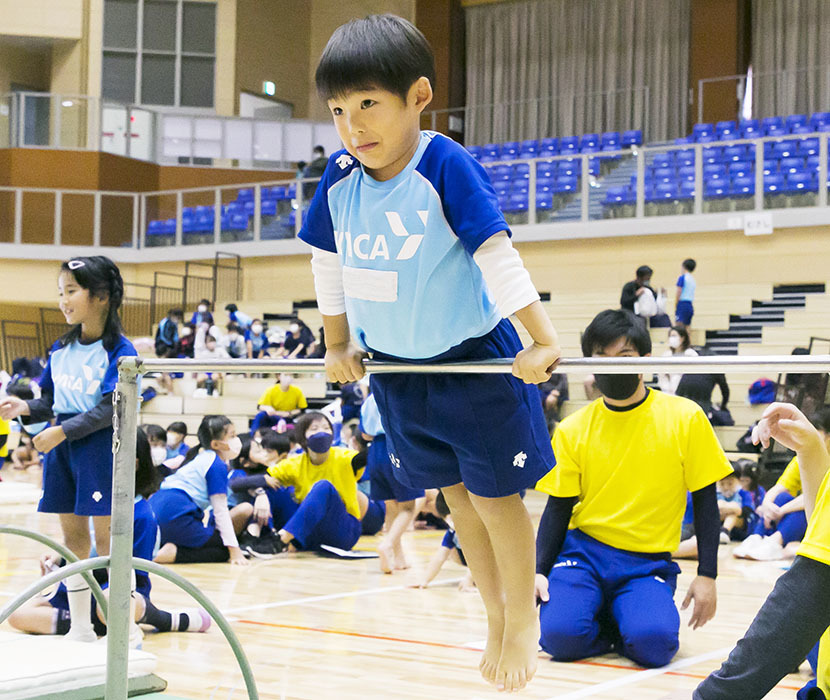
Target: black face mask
[(617, 386)]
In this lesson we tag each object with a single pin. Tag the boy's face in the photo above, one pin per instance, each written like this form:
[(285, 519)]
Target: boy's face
[(379, 128), (729, 485)]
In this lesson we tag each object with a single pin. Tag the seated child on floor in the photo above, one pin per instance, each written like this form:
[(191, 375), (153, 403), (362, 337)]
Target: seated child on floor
[(449, 549), (25, 455)]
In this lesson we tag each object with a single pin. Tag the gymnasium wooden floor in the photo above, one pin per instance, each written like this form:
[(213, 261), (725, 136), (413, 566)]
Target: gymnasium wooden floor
[(323, 628)]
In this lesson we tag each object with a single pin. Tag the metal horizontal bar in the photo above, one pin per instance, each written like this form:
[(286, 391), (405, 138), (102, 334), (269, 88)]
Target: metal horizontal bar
[(618, 365)]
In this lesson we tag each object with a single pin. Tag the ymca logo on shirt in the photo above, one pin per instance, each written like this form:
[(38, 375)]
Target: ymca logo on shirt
[(362, 246), (87, 384)]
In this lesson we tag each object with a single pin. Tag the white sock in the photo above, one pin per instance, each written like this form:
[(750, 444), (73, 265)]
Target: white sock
[(80, 608), (197, 620)]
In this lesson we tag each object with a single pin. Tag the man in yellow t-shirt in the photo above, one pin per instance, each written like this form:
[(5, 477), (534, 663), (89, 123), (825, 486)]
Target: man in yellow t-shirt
[(324, 479), (283, 401), (4, 440), (624, 465), (797, 612)]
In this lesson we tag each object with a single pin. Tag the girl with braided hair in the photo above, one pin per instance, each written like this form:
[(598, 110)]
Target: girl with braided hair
[(76, 389)]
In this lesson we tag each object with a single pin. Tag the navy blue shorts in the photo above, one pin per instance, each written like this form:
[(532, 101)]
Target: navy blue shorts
[(486, 431), (382, 482), (186, 527), (77, 475), (684, 312)]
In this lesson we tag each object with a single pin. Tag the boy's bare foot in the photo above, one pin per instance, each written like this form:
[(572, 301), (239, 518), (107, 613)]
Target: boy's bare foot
[(386, 558), (492, 651), (400, 559), (519, 654)]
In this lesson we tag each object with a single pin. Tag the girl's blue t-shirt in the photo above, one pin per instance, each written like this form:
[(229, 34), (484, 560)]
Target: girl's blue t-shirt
[(205, 476)]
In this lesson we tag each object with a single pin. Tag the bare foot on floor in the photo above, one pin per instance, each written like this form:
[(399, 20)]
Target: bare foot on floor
[(386, 558), (492, 651), (400, 560), (519, 654)]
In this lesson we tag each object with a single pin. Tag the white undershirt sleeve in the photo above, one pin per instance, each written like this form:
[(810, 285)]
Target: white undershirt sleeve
[(223, 519), (328, 282), (505, 274)]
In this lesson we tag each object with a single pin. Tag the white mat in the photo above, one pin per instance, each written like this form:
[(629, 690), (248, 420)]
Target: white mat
[(33, 666), (18, 492)]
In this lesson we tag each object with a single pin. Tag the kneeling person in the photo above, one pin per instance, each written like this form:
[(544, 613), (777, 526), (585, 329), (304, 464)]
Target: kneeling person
[(625, 463)]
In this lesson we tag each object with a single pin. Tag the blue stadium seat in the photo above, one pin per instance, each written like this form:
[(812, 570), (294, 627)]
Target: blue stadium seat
[(248, 208), (204, 223), (770, 167), (685, 157), (529, 145), (594, 166), (606, 149), (716, 189), (714, 171), (501, 187), (474, 151), (268, 207), (500, 172), (713, 154), (610, 138), (773, 126), (742, 187), (169, 226), (291, 192), (201, 211), (565, 184), (800, 182), (726, 130), (544, 201), (741, 169), (707, 138), (801, 129), (700, 131), (784, 149), (819, 118), (664, 175), (590, 149), (812, 164), (683, 140), (544, 184), (549, 146), (751, 128), (521, 170), (807, 148), (589, 141), (732, 154), (546, 169), (795, 120), (663, 191), (155, 228), (663, 160), (486, 158), (615, 195), (634, 137), (686, 174), (516, 203), (504, 201), (823, 127), (245, 195), (687, 189), (773, 183), (568, 144), (519, 186), (570, 168), (509, 150), (791, 165)]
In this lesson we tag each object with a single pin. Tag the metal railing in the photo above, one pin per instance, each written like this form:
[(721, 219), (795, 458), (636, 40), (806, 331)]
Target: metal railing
[(167, 137)]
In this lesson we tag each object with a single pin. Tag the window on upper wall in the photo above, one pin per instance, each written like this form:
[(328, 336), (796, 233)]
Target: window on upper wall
[(159, 52)]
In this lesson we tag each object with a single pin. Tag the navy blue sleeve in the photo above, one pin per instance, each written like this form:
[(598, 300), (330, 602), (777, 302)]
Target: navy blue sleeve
[(553, 527), (41, 409), (241, 483), (122, 348), (217, 478), (680, 281), (318, 228), (469, 200), (145, 528), (707, 530)]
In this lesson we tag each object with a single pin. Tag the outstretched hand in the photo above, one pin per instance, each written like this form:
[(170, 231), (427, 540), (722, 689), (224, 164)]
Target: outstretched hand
[(785, 424), (703, 592)]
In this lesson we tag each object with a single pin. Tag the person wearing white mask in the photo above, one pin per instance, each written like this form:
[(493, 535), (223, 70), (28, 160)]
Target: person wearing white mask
[(184, 496), (202, 314), (234, 342), (298, 340), (680, 345), (256, 342)]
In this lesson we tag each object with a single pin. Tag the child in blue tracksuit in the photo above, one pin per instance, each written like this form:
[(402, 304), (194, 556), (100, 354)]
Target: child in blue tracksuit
[(76, 388), (399, 498), (49, 614), (412, 257), (201, 483)]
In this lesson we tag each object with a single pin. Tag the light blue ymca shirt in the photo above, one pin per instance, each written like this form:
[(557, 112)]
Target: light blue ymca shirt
[(204, 476), (412, 288), (78, 375), (687, 285)]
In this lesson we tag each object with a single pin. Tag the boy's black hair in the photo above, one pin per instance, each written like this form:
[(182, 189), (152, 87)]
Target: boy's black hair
[(154, 432), (821, 420), (21, 391), (175, 313), (211, 428), (178, 427), (689, 264), (206, 302), (644, 271), (232, 308), (275, 442), (612, 324), (146, 478), (303, 422), (441, 505), (101, 277), (379, 51), (243, 460)]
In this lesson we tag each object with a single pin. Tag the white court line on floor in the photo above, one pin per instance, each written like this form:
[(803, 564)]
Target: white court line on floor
[(641, 676), (331, 596)]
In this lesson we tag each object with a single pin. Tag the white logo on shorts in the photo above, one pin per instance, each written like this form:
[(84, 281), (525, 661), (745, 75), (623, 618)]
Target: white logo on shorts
[(661, 580), (395, 461), (567, 562), (97, 496), (519, 460), (344, 161)]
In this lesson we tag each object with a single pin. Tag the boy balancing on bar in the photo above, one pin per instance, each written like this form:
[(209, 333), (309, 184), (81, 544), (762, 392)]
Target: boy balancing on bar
[(412, 255)]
